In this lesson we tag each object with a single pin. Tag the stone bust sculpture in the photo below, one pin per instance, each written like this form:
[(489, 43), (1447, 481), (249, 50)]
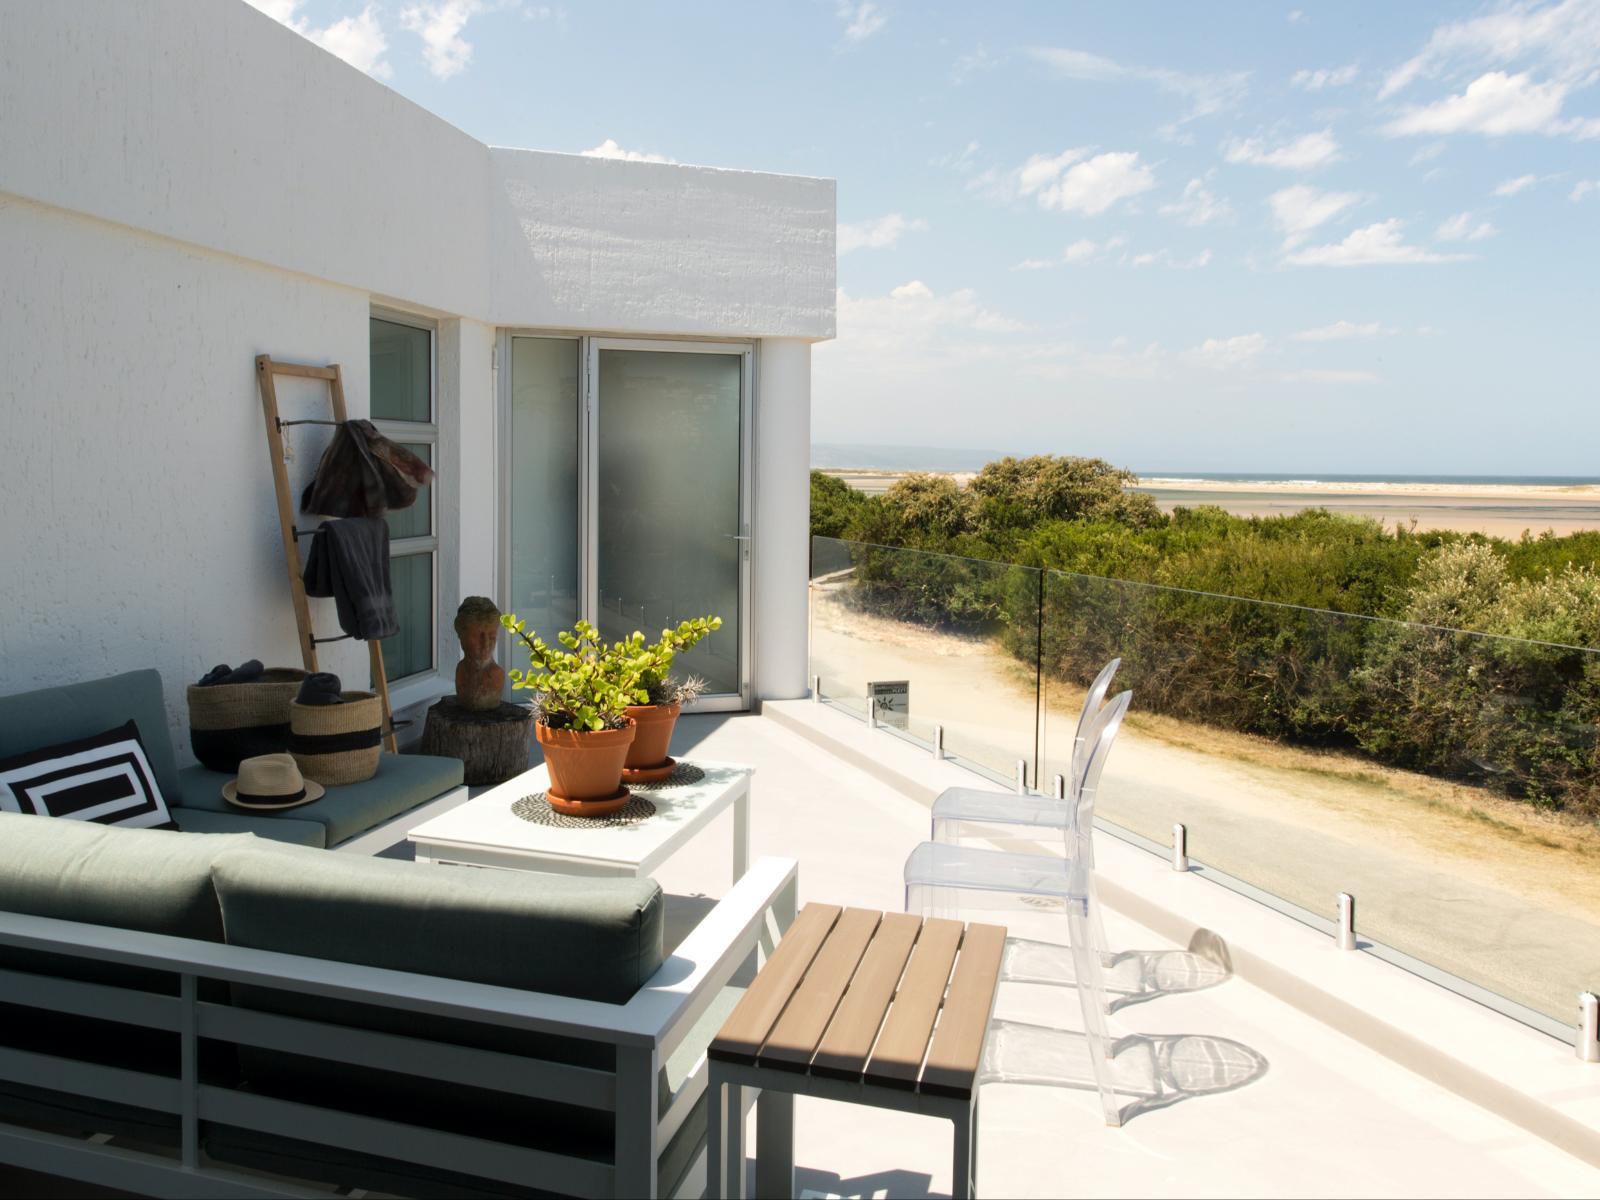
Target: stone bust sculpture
[(480, 681)]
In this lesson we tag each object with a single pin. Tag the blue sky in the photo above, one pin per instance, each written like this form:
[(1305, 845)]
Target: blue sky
[(1361, 237)]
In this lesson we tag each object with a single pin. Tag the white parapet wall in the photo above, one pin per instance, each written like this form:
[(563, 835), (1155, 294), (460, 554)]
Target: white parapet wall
[(185, 185)]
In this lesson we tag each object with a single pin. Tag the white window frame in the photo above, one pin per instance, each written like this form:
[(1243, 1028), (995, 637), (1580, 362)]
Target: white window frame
[(418, 433)]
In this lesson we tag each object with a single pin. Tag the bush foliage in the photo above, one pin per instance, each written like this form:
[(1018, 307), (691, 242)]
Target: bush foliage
[(1476, 668)]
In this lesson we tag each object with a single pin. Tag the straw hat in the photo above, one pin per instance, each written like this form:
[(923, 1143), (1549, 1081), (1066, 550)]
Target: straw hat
[(270, 781)]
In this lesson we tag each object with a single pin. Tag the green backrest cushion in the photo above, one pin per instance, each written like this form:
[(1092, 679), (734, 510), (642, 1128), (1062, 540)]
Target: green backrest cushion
[(597, 939), (34, 720)]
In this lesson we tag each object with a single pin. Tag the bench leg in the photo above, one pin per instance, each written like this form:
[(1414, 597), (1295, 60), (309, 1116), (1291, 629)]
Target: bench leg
[(774, 1144), (964, 1166)]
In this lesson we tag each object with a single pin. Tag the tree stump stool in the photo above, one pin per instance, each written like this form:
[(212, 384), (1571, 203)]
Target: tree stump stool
[(493, 745)]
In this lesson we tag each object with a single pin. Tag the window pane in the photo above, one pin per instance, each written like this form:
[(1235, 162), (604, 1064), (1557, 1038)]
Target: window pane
[(416, 521), (402, 372), (410, 651), (544, 483)]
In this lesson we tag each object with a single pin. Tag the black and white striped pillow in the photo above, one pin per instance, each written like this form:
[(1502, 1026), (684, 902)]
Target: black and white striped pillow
[(104, 778)]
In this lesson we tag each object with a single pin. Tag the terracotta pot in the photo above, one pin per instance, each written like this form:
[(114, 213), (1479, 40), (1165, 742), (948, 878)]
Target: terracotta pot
[(656, 723), (585, 766)]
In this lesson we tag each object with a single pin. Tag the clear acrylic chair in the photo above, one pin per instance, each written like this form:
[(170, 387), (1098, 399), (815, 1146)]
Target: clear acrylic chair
[(963, 813), (943, 877), (958, 807)]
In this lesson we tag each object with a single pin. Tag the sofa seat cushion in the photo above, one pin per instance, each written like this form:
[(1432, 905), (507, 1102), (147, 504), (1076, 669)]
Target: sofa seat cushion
[(275, 828), (47, 716), (403, 781)]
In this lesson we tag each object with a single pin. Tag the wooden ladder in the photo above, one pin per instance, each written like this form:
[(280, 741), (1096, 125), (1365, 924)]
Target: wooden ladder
[(266, 370)]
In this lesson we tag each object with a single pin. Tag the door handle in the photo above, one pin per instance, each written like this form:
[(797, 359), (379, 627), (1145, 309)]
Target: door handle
[(738, 537)]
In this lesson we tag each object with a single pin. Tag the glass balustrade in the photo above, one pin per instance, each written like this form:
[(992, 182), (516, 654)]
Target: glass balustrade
[(1441, 777)]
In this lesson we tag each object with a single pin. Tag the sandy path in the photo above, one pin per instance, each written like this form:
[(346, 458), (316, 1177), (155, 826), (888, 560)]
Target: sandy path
[(1483, 888)]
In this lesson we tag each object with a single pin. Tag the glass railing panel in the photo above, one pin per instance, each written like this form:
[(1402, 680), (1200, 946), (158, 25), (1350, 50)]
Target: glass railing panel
[(1310, 753), (957, 634)]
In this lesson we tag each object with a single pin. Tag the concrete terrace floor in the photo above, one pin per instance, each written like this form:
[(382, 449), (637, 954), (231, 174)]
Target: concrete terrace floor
[(1329, 1116)]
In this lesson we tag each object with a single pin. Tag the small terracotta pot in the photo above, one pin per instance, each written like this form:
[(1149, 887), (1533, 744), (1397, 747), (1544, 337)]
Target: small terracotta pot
[(585, 766), (656, 723)]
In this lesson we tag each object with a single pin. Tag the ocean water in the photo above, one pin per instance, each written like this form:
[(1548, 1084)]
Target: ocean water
[(844, 456)]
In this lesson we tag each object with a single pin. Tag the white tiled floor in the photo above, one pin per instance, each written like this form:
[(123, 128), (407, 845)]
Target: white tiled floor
[(1329, 1117)]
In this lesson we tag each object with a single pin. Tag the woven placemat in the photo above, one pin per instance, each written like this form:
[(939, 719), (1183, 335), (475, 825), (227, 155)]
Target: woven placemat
[(536, 810), (683, 774)]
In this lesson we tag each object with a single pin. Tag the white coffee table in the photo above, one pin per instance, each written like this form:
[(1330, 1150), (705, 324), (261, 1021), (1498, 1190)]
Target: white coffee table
[(484, 832)]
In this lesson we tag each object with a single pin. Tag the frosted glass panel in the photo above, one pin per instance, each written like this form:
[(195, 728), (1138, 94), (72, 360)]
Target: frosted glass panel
[(668, 484), (410, 652), (544, 484)]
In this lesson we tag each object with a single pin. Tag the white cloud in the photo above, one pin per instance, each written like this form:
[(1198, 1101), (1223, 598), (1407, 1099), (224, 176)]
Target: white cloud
[(1510, 187), (1462, 228), (1339, 331), (977, 61), (1326, 77), (1583, 187), (1198, 205), (1297, 16), (358, 39), (1304, 153), (1375, 245), (861, 21), (1425, 154), (1315, 375), (879, 234), (1082, 251), (1300, 209), (1494, 104), (610, 149), (439, 25), (1561, 40), (1090, 187), (1206, 94), (1164, 257), (913, 318), (1229, 354)]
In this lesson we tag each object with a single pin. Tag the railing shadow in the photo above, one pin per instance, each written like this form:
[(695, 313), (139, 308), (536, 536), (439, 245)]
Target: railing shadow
[(811, 1184), (1149, 1071), (1130, 976)]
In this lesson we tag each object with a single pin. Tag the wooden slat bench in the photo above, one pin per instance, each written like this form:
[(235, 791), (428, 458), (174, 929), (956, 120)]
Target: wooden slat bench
[(884, 1009)]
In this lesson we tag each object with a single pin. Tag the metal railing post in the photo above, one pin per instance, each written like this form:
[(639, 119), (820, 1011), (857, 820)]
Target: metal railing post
[(816, 689), (1022, 777), (938, 741), (872, 712), (1058, 787), (1347, 921), (1180, 848), (1588, 1027)]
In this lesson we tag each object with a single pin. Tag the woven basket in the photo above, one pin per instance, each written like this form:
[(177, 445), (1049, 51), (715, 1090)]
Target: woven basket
[(229, 722), (337, 743)]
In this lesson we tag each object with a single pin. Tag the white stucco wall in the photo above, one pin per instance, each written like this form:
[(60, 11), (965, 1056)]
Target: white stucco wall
[(783, 517), (208, 122), (185, 184), (140, 528)]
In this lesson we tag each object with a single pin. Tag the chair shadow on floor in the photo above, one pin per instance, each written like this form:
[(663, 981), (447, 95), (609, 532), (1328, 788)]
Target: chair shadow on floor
[(1131, 976), (1149, 1071), (811, 1184)]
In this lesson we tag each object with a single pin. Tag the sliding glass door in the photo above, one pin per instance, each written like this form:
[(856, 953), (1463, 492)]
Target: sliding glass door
[(630, 494)]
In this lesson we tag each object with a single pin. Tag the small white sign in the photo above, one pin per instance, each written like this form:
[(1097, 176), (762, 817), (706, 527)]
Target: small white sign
[(894, 701)]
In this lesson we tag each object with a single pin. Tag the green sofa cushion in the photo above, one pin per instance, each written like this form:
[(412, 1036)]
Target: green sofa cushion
[(598, 939), (34, 720), (403, 781), (274, 827)]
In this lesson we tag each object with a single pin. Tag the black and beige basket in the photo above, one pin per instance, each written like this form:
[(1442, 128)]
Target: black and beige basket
[(337, 744), (230, 722)]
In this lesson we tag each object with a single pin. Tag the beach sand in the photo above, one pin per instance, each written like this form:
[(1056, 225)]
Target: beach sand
[(1502, 510)]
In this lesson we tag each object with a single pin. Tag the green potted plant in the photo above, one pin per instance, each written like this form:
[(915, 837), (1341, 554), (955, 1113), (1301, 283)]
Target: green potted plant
[(657, 715), (583, 690)]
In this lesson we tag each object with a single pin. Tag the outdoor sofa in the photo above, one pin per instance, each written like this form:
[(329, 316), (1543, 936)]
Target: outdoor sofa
[(352, 817), (215, 1002)]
